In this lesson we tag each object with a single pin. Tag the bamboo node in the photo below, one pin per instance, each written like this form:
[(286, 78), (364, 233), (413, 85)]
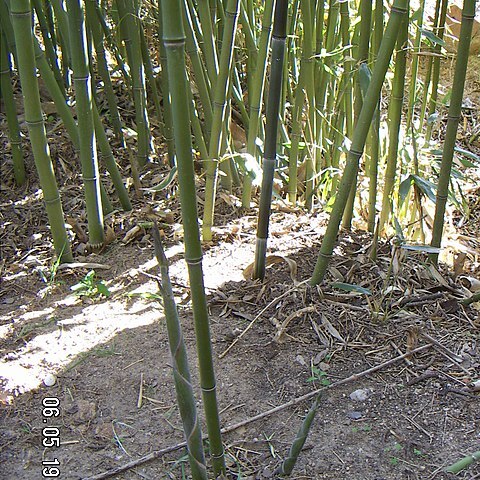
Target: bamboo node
[(90, 179), (356, 153), (397, 9), (21, 14), (51, 200), (32, 123), (217, 455), (194, 261), (211, 389)]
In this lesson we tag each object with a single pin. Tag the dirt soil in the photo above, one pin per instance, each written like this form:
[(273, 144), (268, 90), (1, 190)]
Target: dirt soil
[(412, 419), (109, 357)]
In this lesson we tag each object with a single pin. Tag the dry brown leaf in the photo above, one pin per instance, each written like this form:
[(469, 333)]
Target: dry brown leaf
[(132, 234), (436, 275), (332, 330), (412, 338), (110, 235), (459, 263), (77, 228), (280, 333), (272, 260)]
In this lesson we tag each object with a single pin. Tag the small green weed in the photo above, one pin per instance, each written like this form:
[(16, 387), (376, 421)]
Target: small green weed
[(318, 376), (418, 452), (89, 286), (49, 276), (394, 461), (363, 428), (394, 449)]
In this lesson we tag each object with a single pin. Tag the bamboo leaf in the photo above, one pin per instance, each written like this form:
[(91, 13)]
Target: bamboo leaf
[(398, 230), (425, 186), (364, 77), (404, 188), (466, 153), (421, 248), (166, 182), (433, 39), (348, 287)]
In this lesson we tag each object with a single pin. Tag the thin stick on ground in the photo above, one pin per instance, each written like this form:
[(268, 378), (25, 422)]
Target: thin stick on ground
[(250, 325), (159, 453)]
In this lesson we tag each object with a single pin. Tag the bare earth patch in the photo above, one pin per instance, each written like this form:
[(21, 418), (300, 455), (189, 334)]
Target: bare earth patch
[(413, 417)]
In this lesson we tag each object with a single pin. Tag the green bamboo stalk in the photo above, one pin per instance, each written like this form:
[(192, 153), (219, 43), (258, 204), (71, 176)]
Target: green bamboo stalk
[(110, 39), (363, 49), (47, 42), (439, 31), (219, 116), (67, 117), (63, 37), (88, 149), (347, 65), (270, 152), (440, 11), (286, 467), (130, 28), (394, 122), (412, 94), (11, 112), (463, 463), (21, 20), (64, 111), (56, 93), (454, 113), (48, 10), (181, 371), (174, 39), (109, 161), (375, 127), (102, 68), (7, 28), (296, 134), (207, 23), (325, 81), (309, 44), (201, 79), (255, 96), (150, 76), (360, 133), (167, 106)]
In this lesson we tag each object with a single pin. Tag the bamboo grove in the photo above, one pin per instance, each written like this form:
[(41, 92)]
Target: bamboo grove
[(337, 102)]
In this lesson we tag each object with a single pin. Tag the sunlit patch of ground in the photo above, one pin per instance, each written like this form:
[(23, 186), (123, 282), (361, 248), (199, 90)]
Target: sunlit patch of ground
[(75, 328)]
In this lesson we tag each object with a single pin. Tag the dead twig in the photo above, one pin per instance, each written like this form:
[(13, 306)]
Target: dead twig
[(250, 325), (159, 453)]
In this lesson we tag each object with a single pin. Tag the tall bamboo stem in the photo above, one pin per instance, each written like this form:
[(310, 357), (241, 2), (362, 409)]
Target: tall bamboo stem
[(174, 39), (86, 130), (21, 20), (454, 114), (270, 154), (360, 133)]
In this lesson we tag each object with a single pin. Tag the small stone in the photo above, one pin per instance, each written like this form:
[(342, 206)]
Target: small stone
[(320, 356), (360, 395), (301, 360), (354, 415), (49, 380), (323, 366)]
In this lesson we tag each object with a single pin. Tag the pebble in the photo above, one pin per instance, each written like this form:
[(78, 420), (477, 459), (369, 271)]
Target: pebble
[(49, 380), (360, 395)]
